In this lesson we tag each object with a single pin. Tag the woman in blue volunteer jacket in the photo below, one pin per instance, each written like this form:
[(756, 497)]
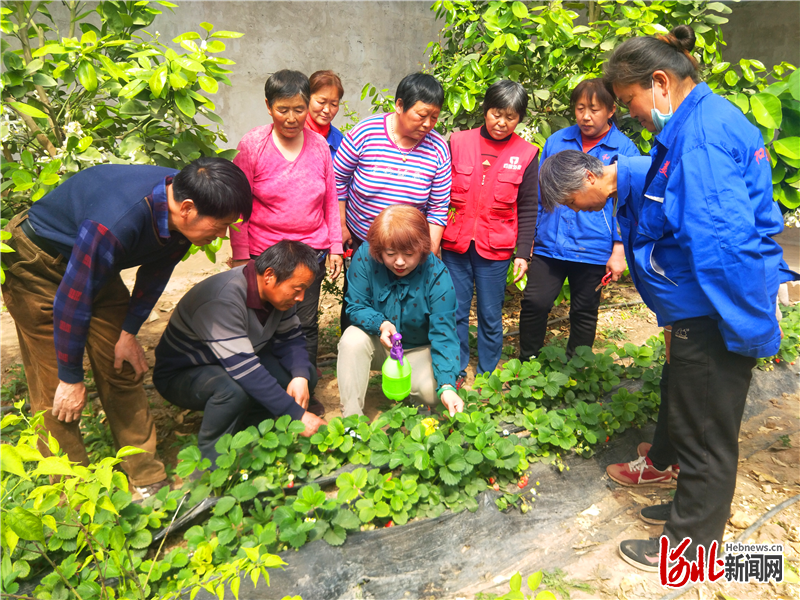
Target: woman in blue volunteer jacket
[(581, 247), (704, 253)]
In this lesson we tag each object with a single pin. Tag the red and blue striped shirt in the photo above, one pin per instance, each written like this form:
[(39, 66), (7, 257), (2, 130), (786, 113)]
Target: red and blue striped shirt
[(371, 174)]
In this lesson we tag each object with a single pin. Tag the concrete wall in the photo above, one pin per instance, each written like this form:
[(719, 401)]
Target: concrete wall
[(768, 31), (379, 42), (364, 42)]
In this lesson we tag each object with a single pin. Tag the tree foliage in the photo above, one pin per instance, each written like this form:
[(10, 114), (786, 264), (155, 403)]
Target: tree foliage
[(549, 47), (107, 93)]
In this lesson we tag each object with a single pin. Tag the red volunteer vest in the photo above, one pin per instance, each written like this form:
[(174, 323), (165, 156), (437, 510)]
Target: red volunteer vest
[(483, 205)]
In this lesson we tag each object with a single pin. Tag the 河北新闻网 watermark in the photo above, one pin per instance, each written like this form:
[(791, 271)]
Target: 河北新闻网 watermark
[(742, 563)]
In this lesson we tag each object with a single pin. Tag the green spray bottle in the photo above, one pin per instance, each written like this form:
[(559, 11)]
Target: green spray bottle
[(396, 372)]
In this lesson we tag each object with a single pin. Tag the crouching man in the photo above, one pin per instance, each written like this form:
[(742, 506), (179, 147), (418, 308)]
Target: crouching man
[(234, 348), (64, 291)]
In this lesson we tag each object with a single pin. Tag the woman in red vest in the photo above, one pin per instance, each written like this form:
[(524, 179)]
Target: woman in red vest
[(493, 207)]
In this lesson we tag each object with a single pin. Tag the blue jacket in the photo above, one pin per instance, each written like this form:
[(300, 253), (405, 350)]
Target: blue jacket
[(334, 139), (631, 175), (585, 237), (704, 242)]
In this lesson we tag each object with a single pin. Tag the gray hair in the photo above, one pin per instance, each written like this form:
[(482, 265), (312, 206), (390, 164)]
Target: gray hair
[(284, 258), (563, 174)]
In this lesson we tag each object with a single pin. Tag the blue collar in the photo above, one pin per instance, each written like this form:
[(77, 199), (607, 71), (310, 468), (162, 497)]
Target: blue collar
[(574, 133), (161, 207), (667, 136)]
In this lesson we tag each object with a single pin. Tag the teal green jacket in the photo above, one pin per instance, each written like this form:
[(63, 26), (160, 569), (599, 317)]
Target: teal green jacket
[(421, 305)]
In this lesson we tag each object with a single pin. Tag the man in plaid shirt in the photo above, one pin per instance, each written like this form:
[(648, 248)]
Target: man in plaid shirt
[(64, 291)]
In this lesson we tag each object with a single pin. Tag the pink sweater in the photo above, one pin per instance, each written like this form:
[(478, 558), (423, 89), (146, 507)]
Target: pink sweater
[(291, 200)]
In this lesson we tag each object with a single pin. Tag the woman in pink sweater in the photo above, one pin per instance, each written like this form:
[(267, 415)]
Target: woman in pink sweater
[(294, 191)]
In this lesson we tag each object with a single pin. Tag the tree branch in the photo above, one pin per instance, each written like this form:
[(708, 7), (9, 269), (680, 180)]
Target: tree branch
[(28, 56), (34, 129), (60, 574)]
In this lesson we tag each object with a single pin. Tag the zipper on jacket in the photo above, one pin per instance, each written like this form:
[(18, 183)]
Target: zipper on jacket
[(477, 208)]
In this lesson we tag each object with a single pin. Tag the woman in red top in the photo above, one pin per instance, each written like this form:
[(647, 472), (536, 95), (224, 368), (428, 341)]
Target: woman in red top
[(493, 207)]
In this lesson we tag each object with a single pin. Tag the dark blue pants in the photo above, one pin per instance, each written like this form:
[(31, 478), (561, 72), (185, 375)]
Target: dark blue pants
[(470, 271), (226, 407)]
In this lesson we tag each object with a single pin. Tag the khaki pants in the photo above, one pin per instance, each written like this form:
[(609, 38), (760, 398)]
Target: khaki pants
[(32, 278), (360, 353)]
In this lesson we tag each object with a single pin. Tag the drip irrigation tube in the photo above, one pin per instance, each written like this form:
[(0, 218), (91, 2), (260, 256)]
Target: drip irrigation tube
[(746, 534)]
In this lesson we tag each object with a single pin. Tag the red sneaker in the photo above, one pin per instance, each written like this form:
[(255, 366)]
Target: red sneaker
[(642, 450), (639, 472)]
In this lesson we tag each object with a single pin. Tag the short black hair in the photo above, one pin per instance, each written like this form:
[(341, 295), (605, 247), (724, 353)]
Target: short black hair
[(506, 94), (287, 84), (419, 87), (284, 258), (218, 188)]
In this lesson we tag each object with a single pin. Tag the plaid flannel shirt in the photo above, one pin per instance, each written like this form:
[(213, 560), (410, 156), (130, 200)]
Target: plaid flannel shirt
[(92, 263)]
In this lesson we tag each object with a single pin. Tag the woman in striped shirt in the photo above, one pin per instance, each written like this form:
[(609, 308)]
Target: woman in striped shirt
[(395, 158)]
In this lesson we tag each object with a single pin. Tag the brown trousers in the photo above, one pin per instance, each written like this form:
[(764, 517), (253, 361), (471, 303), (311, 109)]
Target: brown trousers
[(32, 278)]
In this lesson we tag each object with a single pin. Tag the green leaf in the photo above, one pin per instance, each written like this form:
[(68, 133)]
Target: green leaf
[(788, 147), (185, 104), (767, 110), (215, 46), (720, 67), (25, 524), (87, 75), (346, 519), (516, 582), (226, 34), (27, 109), (11, 462), (130, 451), (207, 27), (141, 539), (224, 505), (189, 35), (335, 535), (241, 439), (794, 84), (208, 84), (158, 80), (731, 78), (535, 580), (520, 10)]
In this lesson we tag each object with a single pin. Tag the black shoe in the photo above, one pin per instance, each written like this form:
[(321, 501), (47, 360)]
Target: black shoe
[(315, 407), (642, 554), (656, 515)]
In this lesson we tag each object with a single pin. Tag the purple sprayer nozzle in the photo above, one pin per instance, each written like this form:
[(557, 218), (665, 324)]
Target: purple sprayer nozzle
[(396, 352)]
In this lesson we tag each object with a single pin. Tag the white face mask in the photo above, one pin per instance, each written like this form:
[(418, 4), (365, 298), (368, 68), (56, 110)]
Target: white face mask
[(660, 119)]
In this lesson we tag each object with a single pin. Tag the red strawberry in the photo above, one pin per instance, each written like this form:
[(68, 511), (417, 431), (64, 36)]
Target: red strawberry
[(491, 480), (290, 484), (496, 487), (608, 438), (389, 524), (777, 360)]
